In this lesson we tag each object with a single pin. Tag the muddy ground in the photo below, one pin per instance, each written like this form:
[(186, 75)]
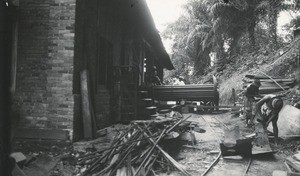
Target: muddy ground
[(59, 158)]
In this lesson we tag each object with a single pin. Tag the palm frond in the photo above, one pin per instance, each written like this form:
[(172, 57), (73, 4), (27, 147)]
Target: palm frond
[(239, 4), (208, 40), (264, 4), (220, 9)]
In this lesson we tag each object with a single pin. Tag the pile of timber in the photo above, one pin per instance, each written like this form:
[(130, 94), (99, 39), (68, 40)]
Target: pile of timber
[(197, 92), (273, 85), (293, 164), (190, 92), (136, 150)]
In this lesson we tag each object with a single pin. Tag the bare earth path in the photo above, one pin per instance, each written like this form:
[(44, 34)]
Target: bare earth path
[(196, 161)]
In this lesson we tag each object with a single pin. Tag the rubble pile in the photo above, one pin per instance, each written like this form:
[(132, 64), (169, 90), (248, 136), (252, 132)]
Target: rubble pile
[(138, 149)]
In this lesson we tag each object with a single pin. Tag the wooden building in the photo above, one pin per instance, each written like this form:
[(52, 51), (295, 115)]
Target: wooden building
[(79, 59), (117, 42)]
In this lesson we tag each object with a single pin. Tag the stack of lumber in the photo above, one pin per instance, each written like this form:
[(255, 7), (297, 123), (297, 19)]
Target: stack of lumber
[(136, 150), (197, 92), (273, 85)]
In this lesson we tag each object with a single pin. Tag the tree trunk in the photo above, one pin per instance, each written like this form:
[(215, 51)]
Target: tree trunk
[(220, 56), (251, 29), (202, 61), (251, 23), (273, 12)]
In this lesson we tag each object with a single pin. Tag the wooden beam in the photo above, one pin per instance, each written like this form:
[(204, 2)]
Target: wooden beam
[(293, 163), (14, 53), (86, 107)]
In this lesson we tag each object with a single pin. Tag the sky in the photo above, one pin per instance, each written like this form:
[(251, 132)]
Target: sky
[(163, 12)]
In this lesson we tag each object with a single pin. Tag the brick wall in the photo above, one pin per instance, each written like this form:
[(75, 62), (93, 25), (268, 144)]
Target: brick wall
[(45, 63)]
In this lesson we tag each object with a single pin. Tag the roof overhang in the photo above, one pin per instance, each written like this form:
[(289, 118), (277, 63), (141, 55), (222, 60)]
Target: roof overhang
[(150, 33)]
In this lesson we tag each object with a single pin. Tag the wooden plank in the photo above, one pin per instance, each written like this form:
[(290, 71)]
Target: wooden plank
[(86, 113), (196, 92), (14, 56), (269, 80), (293, 163), (258, 77), (273, 88), (202, 106), (52, 134)]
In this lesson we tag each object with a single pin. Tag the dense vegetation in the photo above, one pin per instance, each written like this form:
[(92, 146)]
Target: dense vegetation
[(231, 39), (224, 32)]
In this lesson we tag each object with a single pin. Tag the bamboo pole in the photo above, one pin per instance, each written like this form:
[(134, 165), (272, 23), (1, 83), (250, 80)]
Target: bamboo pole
[(272, 79), (177, 123), (150, 152), (165, 154)]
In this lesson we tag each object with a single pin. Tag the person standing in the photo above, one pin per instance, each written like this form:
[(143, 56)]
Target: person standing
[(156, 79), (181, 82), (252, 91)]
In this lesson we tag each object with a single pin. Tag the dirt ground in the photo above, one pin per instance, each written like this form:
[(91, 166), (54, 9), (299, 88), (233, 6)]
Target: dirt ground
[(194, 159), (197, 160)]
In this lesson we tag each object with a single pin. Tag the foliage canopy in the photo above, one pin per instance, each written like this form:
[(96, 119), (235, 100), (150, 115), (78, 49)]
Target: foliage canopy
[(224, 30)]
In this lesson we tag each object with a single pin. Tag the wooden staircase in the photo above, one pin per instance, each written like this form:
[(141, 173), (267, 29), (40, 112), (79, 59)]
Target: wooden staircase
[(146, 108)]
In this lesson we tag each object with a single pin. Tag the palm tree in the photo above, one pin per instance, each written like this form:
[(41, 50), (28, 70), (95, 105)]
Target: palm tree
[(189, 32)]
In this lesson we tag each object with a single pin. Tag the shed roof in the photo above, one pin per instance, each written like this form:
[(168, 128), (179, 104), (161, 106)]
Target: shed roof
[(150, 33)]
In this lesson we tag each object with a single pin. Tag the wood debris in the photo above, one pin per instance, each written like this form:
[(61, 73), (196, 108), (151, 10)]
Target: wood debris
[(137, 150)]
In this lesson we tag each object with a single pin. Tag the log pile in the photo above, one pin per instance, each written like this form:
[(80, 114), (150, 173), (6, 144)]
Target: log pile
[(137, 150)]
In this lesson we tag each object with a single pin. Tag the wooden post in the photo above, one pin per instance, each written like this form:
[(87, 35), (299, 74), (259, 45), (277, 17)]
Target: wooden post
[(216, 93), (86, 107), (14, 53)]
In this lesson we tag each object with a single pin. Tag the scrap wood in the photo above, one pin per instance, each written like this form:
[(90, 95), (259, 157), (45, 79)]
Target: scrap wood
[(135, 149), (272, 79), (176, 124), (150, 152), (122, 159), (88, 158), (115, 162), (109, 155), (97, 153), (149, 168), (129, 167), (293, 163), (296, 156), (166, 155), (139, 157), (287, 166), (193, 147)]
